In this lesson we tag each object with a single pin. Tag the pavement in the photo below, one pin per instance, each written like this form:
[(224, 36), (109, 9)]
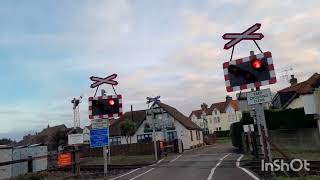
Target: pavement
[(218, 162)]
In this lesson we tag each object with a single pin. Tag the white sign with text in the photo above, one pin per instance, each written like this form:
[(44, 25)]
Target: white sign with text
[(257, 97), (99, 123), (74, 139)]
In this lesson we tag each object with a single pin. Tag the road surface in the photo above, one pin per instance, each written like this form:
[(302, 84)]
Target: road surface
[(218, 162)]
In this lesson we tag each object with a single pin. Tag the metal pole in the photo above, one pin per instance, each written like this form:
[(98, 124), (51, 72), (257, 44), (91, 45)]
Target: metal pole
[(154, 135), (109, 145), (105, 158)]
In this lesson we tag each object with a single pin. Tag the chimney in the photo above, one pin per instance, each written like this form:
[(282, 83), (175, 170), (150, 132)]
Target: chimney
[(228, 98), (204, 106), (293, 80)]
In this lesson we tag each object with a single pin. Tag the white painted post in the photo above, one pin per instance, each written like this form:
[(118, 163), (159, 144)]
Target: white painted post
[(261, 121)]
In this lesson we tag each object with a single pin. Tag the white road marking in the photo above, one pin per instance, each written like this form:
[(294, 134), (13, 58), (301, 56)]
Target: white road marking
[(125, 174), (160, 160), (245, 170), (175, 159), (218, 164), (142, 174)]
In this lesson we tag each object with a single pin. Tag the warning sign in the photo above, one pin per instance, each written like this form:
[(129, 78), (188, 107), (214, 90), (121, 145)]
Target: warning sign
[(64, 159), (257, 97)]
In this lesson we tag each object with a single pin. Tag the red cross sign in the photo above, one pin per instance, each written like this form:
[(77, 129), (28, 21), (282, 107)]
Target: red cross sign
[(246, 35), (107, 80)]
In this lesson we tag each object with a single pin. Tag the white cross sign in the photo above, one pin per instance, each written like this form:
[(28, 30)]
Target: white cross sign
[(107, 80), (246, 35)]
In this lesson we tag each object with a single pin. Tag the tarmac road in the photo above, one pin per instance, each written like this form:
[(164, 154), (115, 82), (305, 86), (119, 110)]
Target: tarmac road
[(216, 162)]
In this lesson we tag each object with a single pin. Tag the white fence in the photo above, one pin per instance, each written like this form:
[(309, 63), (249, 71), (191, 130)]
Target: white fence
[(14, 161)]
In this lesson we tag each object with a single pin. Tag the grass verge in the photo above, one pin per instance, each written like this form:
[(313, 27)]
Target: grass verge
[(120, 160), (223, 140), (296, 178)]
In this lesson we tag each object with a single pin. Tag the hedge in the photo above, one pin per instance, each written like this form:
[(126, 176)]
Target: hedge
[(284, 119), (236, 130), (275, 119), (222, 133)]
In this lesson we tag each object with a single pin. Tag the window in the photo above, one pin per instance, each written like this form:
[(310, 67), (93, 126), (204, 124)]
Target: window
[(144, 138), (215, 112), (172, 135), (210, 120), (219, 128), (198, 135), (218, 118), (191, 135), (115, 141)]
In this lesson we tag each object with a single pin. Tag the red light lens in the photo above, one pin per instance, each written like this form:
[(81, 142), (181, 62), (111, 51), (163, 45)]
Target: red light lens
[(111, 102), (256, 63)]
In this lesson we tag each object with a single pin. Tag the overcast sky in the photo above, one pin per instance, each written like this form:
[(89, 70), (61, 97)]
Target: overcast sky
[(49, 49)]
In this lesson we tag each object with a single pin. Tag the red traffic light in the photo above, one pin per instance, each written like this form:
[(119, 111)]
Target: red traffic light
[(111, 102), (256, 64)]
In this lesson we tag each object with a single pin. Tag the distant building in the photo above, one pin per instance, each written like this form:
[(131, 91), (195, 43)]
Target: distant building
[(292, 97), (218, 117), (50, 136), (170, 124)]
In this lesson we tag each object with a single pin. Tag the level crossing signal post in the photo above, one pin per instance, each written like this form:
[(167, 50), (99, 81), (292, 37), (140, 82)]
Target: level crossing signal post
[(251, 73), (101, 110)]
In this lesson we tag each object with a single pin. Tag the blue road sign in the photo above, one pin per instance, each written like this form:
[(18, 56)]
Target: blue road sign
[(99, 138)]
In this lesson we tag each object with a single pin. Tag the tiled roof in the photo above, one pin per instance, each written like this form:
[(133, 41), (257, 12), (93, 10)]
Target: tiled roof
[(138, 118), (221, 106), (305, 87), (234, 104), (185, 121), (287, 95), (199, 112)]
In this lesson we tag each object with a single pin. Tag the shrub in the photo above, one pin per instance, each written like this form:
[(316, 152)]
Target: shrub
[(284, 119), (236, 130), (222, 133)]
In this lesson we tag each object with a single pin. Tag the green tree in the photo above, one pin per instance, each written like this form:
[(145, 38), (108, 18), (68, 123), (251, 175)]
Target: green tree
[(128, 128)]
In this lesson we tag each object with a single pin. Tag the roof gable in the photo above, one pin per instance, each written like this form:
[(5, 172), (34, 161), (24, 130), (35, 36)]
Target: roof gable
[(288, 94), (182, 119), (304, 87)]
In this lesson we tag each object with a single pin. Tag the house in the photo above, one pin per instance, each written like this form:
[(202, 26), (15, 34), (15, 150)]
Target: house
[(169, 123), (294, 96), (218, 117)]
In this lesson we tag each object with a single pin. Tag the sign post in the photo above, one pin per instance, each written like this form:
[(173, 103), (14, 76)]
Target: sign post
[(101, 110), (249, 73)]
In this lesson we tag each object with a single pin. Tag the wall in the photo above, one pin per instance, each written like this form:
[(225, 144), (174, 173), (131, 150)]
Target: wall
[(124, 149), (298, 139), (296, 103)]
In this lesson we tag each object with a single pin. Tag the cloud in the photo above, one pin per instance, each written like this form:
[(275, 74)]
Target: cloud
[(180, 60)]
